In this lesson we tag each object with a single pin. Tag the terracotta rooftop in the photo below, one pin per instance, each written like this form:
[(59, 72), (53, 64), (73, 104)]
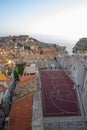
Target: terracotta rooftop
[(21, 115), (26, 85), (2, 88), (50, 52), (26, 79), (3, 60), (4, 78)]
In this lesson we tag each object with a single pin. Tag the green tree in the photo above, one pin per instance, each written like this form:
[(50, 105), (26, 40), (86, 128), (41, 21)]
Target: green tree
[(18, 71), (16, 75)]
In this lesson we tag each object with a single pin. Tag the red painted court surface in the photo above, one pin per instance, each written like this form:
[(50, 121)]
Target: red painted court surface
[(59, 96)]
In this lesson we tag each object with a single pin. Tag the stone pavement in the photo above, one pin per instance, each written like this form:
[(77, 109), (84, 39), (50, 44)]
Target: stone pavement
[(37, 112)]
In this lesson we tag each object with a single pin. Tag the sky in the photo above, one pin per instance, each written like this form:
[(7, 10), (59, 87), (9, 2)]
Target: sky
[(60, 21)]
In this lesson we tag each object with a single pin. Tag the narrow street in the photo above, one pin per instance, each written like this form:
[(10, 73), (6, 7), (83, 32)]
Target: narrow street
[(7, 102)]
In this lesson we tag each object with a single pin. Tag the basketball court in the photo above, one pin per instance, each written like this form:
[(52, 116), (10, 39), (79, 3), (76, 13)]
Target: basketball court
[(59, 97)]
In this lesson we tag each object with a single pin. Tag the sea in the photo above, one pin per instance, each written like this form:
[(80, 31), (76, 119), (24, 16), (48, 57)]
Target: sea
[(55, 40)]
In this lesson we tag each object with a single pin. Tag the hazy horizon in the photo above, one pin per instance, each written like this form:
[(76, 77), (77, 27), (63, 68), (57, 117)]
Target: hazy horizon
[(64, 20)]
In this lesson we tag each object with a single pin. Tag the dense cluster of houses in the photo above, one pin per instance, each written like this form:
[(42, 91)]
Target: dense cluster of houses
[(20, 102), (16, 99)]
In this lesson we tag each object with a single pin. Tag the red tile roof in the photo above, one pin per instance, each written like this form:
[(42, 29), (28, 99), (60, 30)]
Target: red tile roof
[(26, 85), (2, 88), (4, 78), (21, 115), (50, 52), (26, 79)]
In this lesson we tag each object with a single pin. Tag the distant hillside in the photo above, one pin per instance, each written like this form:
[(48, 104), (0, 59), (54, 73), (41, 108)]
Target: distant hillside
[(30, 42), (39, 43), (80, 45)]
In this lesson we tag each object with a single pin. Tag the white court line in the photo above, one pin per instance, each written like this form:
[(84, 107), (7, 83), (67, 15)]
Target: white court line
[(55, 103)]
